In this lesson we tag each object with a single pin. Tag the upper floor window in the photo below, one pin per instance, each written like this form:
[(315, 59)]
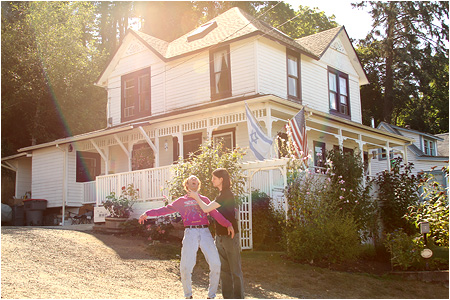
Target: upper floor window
[(136, 95), (428, 147), (293, 74), (220, 72), (338, 92)]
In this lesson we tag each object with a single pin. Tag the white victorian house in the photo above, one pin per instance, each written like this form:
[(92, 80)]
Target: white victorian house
[(169, 97)]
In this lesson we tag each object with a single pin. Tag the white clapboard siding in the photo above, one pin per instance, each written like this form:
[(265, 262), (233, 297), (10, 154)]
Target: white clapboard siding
[(314, 85), (355, 99), (47, 174), (271, 66), (242, 67), (187, 81), (75, 191)]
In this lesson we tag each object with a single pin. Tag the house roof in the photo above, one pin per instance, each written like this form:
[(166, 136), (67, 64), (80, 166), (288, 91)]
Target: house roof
[(442, 146), (231, 25), (318, 43), (419, 153)]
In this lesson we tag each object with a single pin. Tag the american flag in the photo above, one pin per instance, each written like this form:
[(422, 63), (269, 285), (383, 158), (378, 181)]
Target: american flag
[(296, 129)]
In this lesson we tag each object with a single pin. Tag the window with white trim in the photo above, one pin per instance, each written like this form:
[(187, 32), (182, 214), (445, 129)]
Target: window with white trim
[(136, 95), (293, 74), (428, 147), (220, 73)]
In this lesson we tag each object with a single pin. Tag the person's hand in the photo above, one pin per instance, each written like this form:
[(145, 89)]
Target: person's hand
[(142, 218), (193, 195), (231, 231)]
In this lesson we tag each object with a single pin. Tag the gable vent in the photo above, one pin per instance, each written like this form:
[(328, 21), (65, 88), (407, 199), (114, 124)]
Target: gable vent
[(202, 31)]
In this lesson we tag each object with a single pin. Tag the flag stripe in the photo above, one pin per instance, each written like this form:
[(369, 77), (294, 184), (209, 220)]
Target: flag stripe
[(259, 143), (297, 132)]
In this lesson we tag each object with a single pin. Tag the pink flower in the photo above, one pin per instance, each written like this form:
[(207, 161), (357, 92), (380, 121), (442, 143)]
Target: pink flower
[(341, 197)]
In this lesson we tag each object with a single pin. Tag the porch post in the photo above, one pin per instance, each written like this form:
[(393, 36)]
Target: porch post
[(269, 126), (127, 151), (405, 154), (149, 141), (103, 155), (388, 157), (341, 139)]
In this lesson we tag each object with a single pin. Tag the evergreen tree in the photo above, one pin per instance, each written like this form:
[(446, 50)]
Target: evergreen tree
[(401, 54)]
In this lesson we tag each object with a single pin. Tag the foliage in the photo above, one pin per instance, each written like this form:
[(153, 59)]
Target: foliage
[(209, 157), (267, 223), (160, 229), (434, 209), (405, 252), (397, 190), (49, 62), (315, 230), (406, 59), (350, 193), (142, 158), (121, 207)]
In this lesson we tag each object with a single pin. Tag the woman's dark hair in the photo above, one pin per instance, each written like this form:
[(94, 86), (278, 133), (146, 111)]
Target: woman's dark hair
[(223, 173)]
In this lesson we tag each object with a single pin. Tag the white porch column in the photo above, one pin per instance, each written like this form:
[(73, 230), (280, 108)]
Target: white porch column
[(340, 139), (149, 141), (388, 158), (103, 155), (127, 151), (405, 154)]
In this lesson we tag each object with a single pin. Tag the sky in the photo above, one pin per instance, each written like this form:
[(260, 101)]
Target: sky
[(357, 22)]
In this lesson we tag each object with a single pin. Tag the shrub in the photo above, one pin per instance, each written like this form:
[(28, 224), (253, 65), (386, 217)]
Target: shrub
[(267, 223), (397, 190), (209, 157), (315, 229), (434, 209), (404, 250), (348, 191)]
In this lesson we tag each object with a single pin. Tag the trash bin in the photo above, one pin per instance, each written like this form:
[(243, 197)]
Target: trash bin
[(18, 215), (34, 211)]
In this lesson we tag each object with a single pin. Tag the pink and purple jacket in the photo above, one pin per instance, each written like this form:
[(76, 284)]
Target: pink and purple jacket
[(190, 211)]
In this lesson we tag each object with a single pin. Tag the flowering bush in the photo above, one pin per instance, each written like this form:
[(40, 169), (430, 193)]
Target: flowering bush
[(121, 207), (434, 209), (161, 228)]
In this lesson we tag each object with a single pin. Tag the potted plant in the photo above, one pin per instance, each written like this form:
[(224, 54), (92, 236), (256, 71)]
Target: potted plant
[(120, 207)]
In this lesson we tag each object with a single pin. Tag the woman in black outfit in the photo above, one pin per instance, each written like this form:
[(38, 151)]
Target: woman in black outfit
[(229, 248)]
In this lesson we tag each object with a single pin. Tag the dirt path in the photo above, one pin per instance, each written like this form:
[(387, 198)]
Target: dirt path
[(42, 263), (55, 263)]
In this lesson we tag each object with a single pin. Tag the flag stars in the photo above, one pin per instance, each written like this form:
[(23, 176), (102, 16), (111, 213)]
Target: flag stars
[(253, 137)]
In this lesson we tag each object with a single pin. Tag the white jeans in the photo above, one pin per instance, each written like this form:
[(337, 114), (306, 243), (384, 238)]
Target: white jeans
[(193, 239)]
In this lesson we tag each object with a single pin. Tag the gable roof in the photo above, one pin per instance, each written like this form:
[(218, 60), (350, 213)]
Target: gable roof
[(232, 25), (419, 153), (320, 42)]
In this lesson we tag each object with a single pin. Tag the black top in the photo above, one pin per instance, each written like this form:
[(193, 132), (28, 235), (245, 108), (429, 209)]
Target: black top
[(227, 209)]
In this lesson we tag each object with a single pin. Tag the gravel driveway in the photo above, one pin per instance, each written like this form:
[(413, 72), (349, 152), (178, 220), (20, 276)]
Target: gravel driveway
[(42, 263)]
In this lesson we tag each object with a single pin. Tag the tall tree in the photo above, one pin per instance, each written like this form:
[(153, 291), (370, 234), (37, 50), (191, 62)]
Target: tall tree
[(407, 42), (49, 65)]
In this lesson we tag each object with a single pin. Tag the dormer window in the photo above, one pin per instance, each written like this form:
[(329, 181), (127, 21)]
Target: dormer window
[(136, 95), (202, 31), (338, 92), (428, 147), (220, 73)]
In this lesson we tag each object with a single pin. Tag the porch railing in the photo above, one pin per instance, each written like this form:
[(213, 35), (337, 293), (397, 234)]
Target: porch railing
[(89, 192), (152, 183)]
